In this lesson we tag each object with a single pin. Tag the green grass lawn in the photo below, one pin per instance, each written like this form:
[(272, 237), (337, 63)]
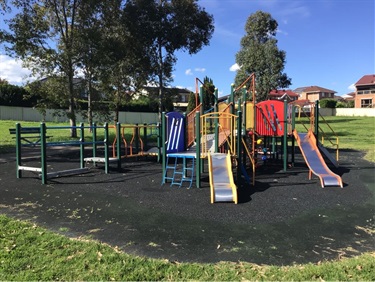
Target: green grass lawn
[(28, 252), (357, 133), (7, 141)]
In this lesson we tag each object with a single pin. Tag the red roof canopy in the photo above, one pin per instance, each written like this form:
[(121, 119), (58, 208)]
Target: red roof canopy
[(280, 93), (366, 80)]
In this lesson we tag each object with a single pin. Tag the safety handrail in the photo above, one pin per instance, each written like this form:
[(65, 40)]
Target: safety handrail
[(226, 123), (243, 83), (190, 122), (336, 145), (136, 132), (321, 131)]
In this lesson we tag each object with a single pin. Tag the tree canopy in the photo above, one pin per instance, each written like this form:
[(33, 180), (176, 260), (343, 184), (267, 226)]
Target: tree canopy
[(170, 25), (115, 45), (259, 54)]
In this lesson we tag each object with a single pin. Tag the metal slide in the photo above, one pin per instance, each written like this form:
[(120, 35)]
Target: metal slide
[(222, 185), (314, 160)]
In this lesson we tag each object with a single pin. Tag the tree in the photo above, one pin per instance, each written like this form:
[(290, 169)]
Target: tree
[(191, 103), (43, 34), (169, 26), (124, 61), (208, 93), (13, 95), (259, 54)]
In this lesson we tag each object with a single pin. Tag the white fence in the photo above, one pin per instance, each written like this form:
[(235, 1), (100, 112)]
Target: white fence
[(30, 114), (348, 112)]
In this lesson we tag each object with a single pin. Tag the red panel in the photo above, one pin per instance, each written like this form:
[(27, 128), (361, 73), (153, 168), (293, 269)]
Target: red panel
[(270, 118)]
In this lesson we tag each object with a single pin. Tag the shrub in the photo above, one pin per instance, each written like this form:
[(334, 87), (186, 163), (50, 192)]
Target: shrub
[(13, 95), (328, 103)]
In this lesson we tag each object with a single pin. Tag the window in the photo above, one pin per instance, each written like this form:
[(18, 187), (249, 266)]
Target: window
[(366, 103), (359, 92)]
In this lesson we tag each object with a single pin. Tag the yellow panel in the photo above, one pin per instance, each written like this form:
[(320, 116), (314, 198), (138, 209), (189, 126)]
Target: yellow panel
[(249, 115)]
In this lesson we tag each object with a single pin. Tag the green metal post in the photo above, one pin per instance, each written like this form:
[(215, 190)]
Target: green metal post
[(136, 136), (94, 145), (106, 143), (216, 96), (216, 121), (293, 114), (316, 115), (239, 145), (159, 141), (145, 145), (285, 155), (163, 143), (198, 168), (118, 144), (82, 146), (43, 152), (232, 98), (18, 149)]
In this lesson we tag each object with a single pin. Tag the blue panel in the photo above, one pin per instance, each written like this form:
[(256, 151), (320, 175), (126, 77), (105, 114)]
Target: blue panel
[(175, 132)]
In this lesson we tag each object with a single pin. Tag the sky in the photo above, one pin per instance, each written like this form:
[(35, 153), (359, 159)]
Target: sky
[(328, 43)]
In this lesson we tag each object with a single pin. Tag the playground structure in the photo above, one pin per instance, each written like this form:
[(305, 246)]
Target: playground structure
[(133, 148), (137, 144), (243, 134), (42, 142), (235, 132)]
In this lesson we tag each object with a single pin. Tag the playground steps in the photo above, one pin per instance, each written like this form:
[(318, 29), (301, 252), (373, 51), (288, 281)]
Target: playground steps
[(179, 173)]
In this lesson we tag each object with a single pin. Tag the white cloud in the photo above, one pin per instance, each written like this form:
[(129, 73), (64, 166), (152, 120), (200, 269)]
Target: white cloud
[(12, 70), (188, 72), (200, 69), (351, 87), (281, 31), (234, 67), (293, 9)]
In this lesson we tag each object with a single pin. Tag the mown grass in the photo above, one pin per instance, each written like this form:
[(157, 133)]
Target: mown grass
[(356, 133), (28, 252), (7, 141)]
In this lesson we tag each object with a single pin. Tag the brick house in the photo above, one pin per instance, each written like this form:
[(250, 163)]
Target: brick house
[(349, 97), (289, 95), (313, 93), (365, 92)]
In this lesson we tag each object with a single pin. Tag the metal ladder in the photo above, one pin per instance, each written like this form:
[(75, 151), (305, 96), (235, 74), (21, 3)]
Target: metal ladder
[(185, 174)]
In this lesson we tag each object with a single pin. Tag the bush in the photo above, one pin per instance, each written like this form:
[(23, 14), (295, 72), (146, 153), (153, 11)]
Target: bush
[(328, 103), (13, 95), (345, 104)]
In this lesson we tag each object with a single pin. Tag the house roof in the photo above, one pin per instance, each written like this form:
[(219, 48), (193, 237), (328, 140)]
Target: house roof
[(366, 80), (301, 102), (173, 89), (350, 95), (299, 89), (309, 89), (281, 93)]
